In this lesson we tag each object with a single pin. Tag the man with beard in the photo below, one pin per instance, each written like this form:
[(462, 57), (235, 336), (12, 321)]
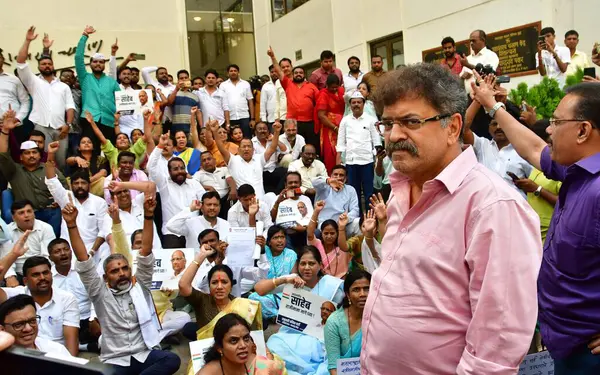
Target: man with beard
[(189, 224), (457, 278), (176, 190), (213, 101), (218, 180), (135, 72), (123, 304), (309, 168), (125, 172), (358, 137), (160, 82), (18, 317), (354, 76), (52, 99), (301, 100), (268, 99), (293, 141), (98, 91), (374, 76), (93, 208), (64, 277), (127, 123), (130, 210), (451, 59), (58, 309), (27, 178)]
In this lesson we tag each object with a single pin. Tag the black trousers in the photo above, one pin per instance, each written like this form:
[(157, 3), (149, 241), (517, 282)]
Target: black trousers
[(307, 130), (273, 181)]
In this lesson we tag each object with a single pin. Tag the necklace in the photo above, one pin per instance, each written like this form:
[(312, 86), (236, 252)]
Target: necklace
[(223, 370)]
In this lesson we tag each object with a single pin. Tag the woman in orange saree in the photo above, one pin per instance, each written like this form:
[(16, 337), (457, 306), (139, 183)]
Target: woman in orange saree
[(330, 111)]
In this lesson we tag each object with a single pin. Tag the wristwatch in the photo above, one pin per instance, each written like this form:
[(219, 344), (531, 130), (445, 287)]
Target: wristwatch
[(495, 109), (538, 191)]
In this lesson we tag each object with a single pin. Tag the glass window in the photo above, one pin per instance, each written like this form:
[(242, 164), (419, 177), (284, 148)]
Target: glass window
[(221, 32), (282, 7), (391, 49)]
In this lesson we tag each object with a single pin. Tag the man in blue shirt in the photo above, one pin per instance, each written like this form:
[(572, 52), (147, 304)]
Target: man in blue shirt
[(339, 198), (98, 92)]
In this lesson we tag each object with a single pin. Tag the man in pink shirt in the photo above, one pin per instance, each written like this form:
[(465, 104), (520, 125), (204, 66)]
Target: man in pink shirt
[(456, 289)]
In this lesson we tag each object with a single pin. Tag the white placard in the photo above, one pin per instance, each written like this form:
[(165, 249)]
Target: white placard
[(288, 212), (129, 103), (348, 366), (200, 347), (241, 241), (300, 309), (537, 364)]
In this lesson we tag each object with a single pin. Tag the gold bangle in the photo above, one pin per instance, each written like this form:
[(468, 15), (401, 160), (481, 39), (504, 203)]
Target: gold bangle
[(275, 282), (196, 262), (314, 221), (368, 238)]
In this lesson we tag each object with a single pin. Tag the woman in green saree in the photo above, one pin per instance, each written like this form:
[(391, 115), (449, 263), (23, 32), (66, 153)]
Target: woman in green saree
[(343, 331)]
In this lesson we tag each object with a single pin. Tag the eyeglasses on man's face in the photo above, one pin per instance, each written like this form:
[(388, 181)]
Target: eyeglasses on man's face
[(411, 123), (554, 122), (20, 325)]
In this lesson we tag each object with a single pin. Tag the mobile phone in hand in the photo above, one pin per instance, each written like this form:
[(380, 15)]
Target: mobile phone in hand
[(590, 72), (512, 175)]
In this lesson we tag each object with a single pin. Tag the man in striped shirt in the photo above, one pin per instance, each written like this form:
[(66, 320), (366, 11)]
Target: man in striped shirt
[(181, 101)]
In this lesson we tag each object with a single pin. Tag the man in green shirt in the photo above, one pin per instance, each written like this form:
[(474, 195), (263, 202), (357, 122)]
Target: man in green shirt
[(98, 91)]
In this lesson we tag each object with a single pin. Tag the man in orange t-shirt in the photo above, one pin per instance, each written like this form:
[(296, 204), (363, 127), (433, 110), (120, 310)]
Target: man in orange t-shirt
[(301, 100)]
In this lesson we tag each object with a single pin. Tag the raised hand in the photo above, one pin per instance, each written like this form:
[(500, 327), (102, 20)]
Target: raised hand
[(115, 47), (31, 35), (117, 117), (163, 140), (484, 93), (10, 119), (69, 213), (343, 220), (20, 247), (194, 110), (47, 42), (277, 128), (147, 113), (213, 125), (335, 184), (53, 147), (89, 117), (196, 205), (261, 241), (149, 205), (254, 207), (89, 30), (131, 57), (369, 224), (270, 52), (319, 206), (113, 212), (378, 206)]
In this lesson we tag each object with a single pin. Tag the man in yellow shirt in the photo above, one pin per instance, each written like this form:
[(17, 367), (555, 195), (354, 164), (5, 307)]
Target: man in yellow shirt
[(579, 59)]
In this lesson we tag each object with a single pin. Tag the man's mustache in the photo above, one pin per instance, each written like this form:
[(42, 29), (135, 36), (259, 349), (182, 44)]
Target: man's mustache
[(402, 146)]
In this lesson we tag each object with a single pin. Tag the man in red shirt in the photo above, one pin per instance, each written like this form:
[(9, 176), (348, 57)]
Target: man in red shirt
[(301, 100), (319, 76), (452, 60)]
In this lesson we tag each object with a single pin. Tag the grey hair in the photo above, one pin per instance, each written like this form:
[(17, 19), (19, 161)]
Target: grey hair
[(112, 257), (290, 121), (432, 82)]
